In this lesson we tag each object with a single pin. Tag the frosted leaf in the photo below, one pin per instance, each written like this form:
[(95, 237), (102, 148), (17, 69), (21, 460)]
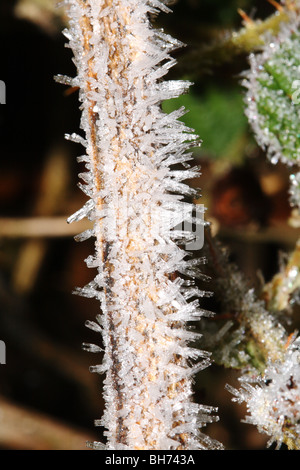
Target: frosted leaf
[(272, 97)]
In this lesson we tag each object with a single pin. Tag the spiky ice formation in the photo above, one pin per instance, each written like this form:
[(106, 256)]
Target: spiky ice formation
[(273, 399), (135, 201)]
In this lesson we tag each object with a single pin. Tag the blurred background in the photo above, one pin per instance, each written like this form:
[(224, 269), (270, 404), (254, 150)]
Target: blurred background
[(48, 397)]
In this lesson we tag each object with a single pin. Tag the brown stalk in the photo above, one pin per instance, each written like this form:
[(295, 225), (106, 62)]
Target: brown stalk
[(102, 247), (116, 56)]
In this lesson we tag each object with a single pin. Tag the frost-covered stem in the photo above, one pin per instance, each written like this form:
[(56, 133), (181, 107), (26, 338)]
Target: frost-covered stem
[(135, 202)]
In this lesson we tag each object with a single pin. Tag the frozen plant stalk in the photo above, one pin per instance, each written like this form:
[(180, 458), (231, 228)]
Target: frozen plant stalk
[(135, 201)]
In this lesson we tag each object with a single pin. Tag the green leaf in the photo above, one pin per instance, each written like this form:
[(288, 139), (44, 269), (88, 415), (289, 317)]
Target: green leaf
[(218, 118), (273, 106)]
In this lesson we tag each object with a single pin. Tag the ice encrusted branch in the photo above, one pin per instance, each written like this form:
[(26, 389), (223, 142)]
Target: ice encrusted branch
[(135, 200)]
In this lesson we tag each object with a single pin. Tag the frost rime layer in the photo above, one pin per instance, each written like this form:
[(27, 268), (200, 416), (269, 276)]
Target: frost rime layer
[(135, 199)]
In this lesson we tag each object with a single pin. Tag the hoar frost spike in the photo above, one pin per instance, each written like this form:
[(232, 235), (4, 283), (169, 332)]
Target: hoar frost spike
[(135, 201)]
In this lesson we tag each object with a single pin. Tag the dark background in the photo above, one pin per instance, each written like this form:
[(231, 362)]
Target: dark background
[(46, 389)]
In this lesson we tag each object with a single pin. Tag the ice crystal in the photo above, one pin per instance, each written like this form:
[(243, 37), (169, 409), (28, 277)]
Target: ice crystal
[(136, 201), (273, 399)]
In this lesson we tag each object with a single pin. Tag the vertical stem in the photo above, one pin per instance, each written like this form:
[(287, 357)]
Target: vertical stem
[(148, 387)]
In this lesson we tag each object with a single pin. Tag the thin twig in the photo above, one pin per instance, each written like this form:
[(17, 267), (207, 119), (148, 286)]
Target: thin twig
[(40, 227), (25, 429)]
